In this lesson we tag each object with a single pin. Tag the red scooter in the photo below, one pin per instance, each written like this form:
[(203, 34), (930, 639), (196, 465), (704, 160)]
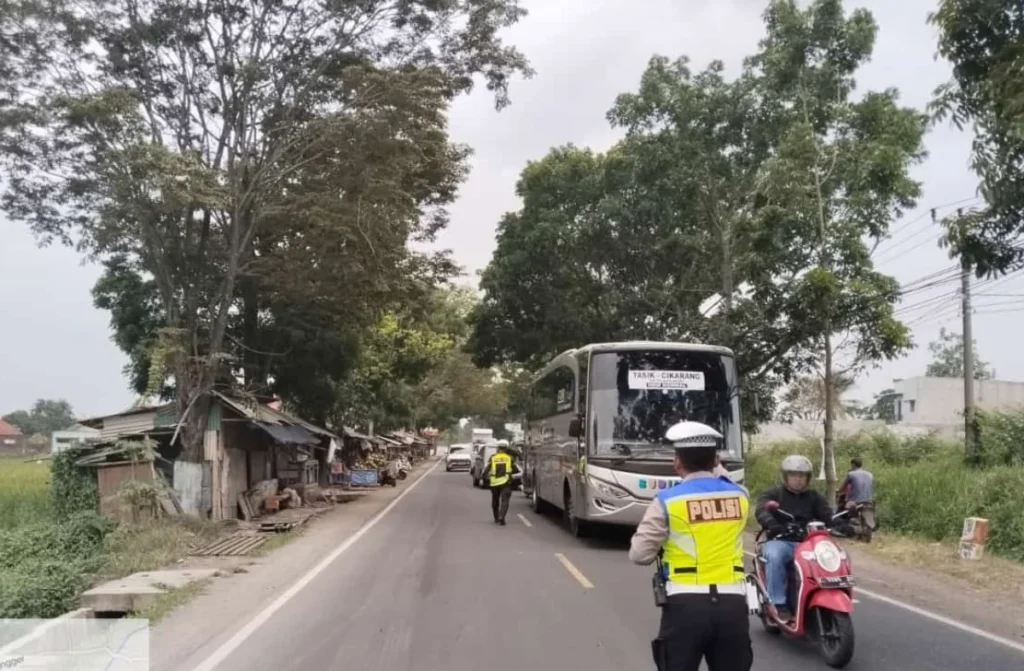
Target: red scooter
[(819, 588)]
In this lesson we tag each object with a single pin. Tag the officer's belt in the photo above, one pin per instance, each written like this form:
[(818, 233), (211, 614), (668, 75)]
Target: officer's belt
[(737, 588), (693, 569)]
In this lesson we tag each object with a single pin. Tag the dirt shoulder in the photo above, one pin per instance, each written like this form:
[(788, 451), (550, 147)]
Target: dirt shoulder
[(246, 584), (987, 594)]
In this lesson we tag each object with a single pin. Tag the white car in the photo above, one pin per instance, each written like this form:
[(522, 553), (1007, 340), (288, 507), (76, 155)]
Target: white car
[(458, 458)]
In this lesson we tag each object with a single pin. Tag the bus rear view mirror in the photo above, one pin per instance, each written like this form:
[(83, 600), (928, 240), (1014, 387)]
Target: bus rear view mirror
[(575, 427)]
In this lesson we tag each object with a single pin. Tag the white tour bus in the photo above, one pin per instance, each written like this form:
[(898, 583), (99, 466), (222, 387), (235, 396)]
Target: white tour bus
[(596, 423)]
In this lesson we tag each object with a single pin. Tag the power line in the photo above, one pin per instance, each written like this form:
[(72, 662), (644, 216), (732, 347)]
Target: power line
[(925, 215), (951, 309)]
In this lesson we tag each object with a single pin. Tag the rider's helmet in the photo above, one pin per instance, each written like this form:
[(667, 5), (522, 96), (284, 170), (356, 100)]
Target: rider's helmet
[(796, 472)]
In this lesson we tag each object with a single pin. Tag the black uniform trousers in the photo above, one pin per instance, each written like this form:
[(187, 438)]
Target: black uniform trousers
[(500, 496), (715, 627)]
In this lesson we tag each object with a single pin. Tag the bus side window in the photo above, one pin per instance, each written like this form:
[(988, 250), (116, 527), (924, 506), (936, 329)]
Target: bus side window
[(581, 385)]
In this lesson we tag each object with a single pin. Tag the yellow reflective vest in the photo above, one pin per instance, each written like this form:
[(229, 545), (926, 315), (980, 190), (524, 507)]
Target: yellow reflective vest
[(706, 517), (500, 476)]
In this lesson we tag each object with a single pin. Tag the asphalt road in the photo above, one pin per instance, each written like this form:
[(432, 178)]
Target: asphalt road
[(436, 586)]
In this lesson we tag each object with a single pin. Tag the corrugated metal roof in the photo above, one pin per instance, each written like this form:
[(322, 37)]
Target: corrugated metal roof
[(267, 415), (289, 435), (92, 422), (352, 433)]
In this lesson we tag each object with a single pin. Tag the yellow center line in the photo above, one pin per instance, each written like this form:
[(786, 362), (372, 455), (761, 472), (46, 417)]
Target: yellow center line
[(575, 572), (524, 520)]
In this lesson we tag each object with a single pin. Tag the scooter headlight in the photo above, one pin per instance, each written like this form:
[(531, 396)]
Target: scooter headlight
[(827, 554)]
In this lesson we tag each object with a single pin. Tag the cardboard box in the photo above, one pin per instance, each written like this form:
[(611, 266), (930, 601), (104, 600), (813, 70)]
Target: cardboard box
[(975, 531), (971, 551)]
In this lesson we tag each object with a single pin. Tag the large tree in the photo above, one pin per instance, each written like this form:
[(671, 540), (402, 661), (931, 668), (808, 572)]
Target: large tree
[(984, 42), (45, 417), (948, 358), (839, 176), (616, 246), (260, 163), (756, 194)]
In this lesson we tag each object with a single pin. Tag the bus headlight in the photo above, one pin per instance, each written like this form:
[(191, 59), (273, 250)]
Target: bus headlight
[(607, 489)]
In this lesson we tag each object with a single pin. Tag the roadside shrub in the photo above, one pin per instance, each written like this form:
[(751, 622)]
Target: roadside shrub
[(73, 489), (1000, 438), (45, 566), (40, 589), (79, 537)]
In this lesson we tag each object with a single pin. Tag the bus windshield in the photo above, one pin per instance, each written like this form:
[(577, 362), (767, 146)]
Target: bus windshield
[(635, 396)]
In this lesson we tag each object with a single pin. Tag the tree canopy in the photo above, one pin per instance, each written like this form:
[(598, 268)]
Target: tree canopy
[(736, 212), (249, 174), (984, 42), (45, 417), (948, 358)]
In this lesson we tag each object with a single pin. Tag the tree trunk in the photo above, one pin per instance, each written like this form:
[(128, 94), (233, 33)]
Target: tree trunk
[(727, 283), (253, 370), (193, 405), (830, 411)]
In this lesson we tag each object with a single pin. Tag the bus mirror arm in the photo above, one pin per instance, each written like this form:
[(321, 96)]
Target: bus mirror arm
[(576, 427)]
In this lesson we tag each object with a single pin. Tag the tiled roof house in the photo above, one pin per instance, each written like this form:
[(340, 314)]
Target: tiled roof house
[(12, 440)]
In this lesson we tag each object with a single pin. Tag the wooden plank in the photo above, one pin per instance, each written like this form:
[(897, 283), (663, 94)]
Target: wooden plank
[(253, 543), (238, 544), (235, 543)]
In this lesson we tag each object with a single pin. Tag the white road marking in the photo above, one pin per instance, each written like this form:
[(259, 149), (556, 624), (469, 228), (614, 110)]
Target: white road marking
[(575, 572), (942, 619), (229, 646), (524, 520)]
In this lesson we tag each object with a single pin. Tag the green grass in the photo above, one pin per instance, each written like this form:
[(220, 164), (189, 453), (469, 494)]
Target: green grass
[(24, 492), (163, 604), (131, 548), (923, 489)]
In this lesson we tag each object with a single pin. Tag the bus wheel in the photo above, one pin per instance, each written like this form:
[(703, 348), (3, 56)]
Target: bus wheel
[(577, 527), (539, 505)]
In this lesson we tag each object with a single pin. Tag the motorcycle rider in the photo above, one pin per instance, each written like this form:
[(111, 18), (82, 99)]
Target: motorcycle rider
[(696, 529), (858, 487), (796, 497)]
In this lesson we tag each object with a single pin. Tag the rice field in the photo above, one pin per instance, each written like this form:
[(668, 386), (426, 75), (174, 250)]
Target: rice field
[(24, 492)]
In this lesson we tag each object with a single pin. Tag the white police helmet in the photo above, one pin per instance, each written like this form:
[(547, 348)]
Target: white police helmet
[(692, 434)]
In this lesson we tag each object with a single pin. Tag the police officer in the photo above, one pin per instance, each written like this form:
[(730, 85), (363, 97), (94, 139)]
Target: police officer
[(499, 470), (695, 529)]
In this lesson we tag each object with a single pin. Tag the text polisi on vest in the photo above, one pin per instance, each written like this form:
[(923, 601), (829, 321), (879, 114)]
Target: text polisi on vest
[(714, 510)]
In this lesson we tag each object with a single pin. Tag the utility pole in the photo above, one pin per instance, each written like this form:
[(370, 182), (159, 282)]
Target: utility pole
[(970, 440)]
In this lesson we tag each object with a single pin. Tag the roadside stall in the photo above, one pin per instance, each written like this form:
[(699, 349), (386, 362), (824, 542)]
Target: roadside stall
[(420, 448), (358, 461)]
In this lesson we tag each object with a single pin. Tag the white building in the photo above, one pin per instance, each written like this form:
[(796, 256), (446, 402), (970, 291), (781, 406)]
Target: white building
[(939, 401), (61, 440)]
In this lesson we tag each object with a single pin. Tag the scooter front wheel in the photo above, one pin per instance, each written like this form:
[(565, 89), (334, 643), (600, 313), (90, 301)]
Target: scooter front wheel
[(766, 620), (835, 638)]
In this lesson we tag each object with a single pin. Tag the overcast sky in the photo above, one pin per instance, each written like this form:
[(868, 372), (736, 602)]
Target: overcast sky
[(54, 343)]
